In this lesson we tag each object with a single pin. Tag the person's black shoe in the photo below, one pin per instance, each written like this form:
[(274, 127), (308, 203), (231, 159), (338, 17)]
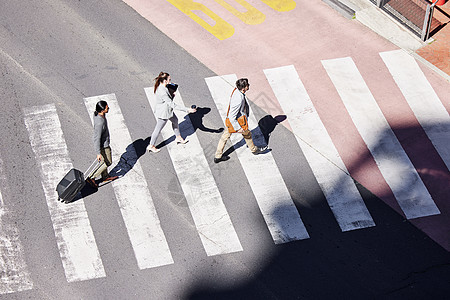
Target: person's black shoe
[(260, 150), (223, 158)]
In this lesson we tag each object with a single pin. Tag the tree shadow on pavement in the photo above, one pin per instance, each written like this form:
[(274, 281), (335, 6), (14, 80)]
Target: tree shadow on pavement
[(394, 259)]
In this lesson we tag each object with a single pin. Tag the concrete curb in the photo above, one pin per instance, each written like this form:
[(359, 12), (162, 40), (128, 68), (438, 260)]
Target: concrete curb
[(379, 22), (340, 7)]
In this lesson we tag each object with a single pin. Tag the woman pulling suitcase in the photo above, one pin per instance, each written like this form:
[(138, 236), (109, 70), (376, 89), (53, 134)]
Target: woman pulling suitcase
[(101, 144)]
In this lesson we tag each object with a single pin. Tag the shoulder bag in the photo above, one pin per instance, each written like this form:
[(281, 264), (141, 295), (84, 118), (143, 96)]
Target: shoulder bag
[(242, 120)]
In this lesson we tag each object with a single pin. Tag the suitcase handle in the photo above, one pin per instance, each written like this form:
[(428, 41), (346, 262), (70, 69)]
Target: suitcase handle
[(92, 168)]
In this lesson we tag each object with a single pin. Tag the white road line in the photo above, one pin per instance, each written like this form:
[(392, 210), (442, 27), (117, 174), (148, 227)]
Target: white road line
[(15, 276), (423, 100), (76, 243), (136, 204), (338, 187), (271, 193), (210, 215), (389, 155)]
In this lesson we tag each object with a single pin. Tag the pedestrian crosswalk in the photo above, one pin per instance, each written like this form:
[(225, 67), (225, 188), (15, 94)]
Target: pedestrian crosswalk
[(390, 157), (210, 215), (338, 187), (80, 256), (132, 193), (262, 173), (422, 99), (76, 242)]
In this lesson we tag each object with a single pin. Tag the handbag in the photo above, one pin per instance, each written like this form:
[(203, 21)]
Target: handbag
[(242, 120)]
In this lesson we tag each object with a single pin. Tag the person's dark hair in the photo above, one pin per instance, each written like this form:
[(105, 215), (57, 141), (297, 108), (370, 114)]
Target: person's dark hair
[(158, 80), (101, 106), (242, 83)]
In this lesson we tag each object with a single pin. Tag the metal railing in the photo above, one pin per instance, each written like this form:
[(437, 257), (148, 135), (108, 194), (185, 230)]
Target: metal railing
[(415, 15)]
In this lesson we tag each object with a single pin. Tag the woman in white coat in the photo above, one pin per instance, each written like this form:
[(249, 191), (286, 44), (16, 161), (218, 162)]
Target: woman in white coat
[(164, 107)]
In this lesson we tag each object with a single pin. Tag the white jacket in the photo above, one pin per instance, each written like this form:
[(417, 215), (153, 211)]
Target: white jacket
[(164, 104)]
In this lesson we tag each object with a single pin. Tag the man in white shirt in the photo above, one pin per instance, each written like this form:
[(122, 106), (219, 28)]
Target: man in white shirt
[(238, 107)]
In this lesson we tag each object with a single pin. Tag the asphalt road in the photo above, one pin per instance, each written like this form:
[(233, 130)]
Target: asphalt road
[(61, 51)]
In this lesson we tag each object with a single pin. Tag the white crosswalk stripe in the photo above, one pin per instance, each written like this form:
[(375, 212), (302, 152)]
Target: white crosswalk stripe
[(394, 164), (15, 276), (271, 193), (426, 105), (338, 187), (76, 243), (131, 190), (210, 215)]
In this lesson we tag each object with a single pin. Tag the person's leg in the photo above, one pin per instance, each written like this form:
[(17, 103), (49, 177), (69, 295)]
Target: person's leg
[(107, 156), (248, 139), (176, 130), (108, 161), (222, 142), (102, 168), (159, 126), (106, 153), (175, 126)]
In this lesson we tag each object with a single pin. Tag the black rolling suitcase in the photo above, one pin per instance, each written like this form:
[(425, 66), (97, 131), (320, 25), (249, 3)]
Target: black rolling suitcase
[(73, 182)]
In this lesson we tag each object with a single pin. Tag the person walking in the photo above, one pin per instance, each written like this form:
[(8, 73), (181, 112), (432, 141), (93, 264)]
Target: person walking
[(238, 109), (164, 106), (101, 145)]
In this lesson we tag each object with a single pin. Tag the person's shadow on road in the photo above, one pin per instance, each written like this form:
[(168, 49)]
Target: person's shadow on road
[(197, 120), (191, 123), (189, 126), (261, 134), (268, 123), (126, 162)]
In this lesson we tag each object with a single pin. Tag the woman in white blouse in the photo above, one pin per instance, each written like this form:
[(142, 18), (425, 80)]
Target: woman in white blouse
[(164, 107)]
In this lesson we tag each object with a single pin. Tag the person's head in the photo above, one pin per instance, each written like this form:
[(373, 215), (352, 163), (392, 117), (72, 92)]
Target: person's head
[(163, 78), (101, 107), (242, 85)]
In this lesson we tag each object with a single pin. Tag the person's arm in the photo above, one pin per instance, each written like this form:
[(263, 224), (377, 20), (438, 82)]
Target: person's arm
[(169, 101), (98, 128)]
